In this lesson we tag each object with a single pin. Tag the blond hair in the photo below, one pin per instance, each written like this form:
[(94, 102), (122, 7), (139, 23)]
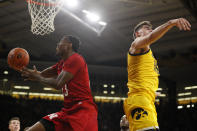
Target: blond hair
[(139, 26)]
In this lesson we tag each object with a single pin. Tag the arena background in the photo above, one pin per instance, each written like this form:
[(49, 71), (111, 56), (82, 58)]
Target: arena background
[(105, 50)]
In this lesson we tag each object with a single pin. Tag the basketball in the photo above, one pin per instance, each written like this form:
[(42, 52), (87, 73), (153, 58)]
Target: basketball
[(18, 58)]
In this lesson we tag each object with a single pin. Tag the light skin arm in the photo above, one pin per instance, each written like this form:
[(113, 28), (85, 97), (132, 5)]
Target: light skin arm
[(146, 41), (56, 83)]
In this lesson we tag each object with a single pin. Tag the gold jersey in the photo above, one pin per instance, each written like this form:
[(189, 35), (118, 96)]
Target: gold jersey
[(143, 74)]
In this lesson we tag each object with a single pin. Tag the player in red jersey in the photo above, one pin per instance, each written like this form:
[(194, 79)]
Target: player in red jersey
[(71, 75)]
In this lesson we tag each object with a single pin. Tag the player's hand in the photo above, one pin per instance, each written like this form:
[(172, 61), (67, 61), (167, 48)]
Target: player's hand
[(182, 24), (124, 122), (30, 74), (157, 94)]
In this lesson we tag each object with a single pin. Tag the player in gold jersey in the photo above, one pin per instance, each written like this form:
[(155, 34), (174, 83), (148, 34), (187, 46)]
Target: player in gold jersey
[(143, 74)]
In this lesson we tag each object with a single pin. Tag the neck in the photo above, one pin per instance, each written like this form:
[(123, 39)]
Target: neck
[(66, 55)]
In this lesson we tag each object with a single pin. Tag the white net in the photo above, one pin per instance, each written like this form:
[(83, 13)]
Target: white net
[(42, 14)]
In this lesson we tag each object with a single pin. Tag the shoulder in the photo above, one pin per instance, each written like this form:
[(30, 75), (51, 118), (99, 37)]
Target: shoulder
[(75, 59), (133, 46), (75, 56), (138, 51)]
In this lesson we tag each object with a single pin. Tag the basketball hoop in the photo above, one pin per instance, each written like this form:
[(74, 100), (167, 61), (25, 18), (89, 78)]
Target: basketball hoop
[(42, 14)]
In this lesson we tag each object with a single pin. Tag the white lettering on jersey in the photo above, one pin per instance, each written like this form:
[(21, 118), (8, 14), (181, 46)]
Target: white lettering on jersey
[(65, 90), (51, 116)]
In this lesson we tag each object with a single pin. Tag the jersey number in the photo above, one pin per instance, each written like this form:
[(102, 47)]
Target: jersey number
[(65, 90)]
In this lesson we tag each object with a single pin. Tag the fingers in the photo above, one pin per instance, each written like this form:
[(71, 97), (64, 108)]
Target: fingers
[(188, 24), (25, 74), (24, 69), (183, 24), (20, 71)]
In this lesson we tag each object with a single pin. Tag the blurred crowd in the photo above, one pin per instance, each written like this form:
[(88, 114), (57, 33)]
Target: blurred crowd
[(31, 110)]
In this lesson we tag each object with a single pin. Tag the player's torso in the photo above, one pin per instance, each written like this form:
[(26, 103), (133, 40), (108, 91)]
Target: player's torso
[(78, 88), (143, 73)]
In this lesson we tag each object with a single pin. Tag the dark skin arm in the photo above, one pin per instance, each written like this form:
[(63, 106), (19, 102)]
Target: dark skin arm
[(49, 72), (57, 83)]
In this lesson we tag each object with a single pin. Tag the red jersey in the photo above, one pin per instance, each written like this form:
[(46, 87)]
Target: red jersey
[(78, 88)]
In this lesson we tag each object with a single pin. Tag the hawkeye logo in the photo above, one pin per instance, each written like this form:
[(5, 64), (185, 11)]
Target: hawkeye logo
[(139, 113)]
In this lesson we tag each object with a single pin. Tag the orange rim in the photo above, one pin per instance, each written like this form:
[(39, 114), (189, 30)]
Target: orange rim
[(42, 4)]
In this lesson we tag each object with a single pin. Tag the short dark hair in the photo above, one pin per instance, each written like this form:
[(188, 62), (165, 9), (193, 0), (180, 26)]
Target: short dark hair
[(139, 26), (14, 118), (74, 40)]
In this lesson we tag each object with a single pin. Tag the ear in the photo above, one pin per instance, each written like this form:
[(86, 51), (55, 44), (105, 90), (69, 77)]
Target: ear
[(137, 34)]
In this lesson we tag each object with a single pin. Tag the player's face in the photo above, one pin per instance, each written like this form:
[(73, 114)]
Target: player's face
[(145, 30), (62, 47), (14, 125)]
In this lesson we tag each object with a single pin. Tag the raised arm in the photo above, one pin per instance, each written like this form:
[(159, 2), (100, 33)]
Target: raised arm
[(145, 41)]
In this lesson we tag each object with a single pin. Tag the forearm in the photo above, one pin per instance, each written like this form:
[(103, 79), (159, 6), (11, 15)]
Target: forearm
[(57, 82), (160, 31), (49, 72), (49, 81)]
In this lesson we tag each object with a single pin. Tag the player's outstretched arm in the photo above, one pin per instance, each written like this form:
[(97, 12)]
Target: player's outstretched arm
[(56, 83), (143, 42), (63, 78)]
